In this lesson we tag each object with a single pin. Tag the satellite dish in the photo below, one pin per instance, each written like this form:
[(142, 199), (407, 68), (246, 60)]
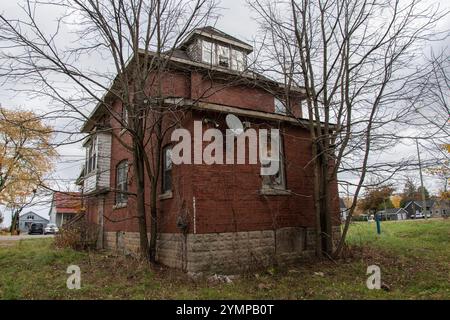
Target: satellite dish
[(234, 124)]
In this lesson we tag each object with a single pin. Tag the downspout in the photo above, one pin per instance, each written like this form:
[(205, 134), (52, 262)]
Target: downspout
[(194, 211)]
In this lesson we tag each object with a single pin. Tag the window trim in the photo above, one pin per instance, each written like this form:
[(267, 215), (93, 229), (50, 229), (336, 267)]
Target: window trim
[(237, 60), (166, 170), (91, 155), (211, 49), (121, 186), (227, 55), (282, 187), (277, 103)]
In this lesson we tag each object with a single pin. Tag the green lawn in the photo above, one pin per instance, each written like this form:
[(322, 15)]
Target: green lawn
[(413, 256)]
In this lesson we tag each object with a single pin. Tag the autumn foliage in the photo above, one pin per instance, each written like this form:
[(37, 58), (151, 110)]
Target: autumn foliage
[(26, 155)]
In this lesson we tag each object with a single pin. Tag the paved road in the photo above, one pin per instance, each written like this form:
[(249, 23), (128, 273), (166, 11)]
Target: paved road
[(24, 237)]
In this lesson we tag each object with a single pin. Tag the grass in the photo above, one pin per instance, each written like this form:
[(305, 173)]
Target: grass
[(413, 256)]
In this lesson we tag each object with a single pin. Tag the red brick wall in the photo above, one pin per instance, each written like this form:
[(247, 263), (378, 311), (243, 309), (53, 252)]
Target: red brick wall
[(227, 196)]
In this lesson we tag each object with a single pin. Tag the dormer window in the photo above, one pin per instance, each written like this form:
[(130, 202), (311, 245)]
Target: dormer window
[(216, 48), (237, 60), (224, 56), (208, 52)]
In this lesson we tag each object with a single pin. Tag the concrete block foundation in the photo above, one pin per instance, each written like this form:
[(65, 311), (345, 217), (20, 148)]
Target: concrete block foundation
[(223, 252)]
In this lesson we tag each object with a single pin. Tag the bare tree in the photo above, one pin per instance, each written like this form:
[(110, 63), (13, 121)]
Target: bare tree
[(358, 61), (137, 38)]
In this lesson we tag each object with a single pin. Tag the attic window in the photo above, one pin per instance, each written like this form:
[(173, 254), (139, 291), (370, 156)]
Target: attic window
[(224, 56), (237, 60), (208, 52)]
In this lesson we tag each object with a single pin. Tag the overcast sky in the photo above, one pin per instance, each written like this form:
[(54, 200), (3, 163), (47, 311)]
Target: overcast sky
[(236, 20)]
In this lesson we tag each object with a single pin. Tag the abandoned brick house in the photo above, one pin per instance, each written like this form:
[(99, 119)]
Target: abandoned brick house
[(232, 218)]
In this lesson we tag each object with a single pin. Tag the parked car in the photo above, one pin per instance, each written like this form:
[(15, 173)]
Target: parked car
[(420, 215), (51, 228), (36, 228)]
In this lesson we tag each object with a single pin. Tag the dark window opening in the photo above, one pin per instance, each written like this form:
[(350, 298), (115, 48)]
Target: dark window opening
[(167, 169), (122, 183)]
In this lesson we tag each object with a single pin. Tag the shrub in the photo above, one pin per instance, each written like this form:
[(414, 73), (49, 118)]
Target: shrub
[(78, 235)]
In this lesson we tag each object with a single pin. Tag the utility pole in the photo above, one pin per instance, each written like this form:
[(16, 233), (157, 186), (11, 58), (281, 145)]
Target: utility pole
[(424, 203)]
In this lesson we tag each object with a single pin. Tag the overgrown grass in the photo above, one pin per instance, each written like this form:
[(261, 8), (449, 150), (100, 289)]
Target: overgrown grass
[(413, 256)]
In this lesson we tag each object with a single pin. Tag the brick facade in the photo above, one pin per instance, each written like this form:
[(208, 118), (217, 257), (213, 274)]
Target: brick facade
[(226, 213)]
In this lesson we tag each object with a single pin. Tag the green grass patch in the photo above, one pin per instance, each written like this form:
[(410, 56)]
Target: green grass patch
[(413, 256)]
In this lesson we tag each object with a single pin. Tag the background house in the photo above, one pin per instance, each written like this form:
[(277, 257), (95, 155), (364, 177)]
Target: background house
[(413, 207), (65, 205), (440, 208), (393, 214), (26, 219)]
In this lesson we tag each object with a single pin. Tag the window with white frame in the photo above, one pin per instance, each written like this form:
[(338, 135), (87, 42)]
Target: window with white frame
[(280, 107), (167, 169), (224, 56), (122, 182), (208, 52), (237, 60), (278, 180), (91, 156)]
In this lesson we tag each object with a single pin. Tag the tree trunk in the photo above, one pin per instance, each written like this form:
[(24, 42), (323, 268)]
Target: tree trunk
[(153, 221), (154, 191), (140, 198)]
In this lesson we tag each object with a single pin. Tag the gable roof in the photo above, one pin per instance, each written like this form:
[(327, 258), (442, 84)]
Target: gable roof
[(213, 33), (67, 202), (33, 213), (429, 203)]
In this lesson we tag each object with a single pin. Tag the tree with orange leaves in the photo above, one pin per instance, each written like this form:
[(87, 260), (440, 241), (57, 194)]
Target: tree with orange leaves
[(26, 156)]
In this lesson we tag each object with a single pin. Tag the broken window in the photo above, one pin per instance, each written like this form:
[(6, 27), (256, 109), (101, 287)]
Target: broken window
[(167, 169), (224, 56), (122, 182), (208, 52), (276, 181), (91, 157), (280, 107), (237, 60)]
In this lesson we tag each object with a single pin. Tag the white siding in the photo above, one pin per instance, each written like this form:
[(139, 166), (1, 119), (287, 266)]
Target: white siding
[(104, 159), (100, 178)]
